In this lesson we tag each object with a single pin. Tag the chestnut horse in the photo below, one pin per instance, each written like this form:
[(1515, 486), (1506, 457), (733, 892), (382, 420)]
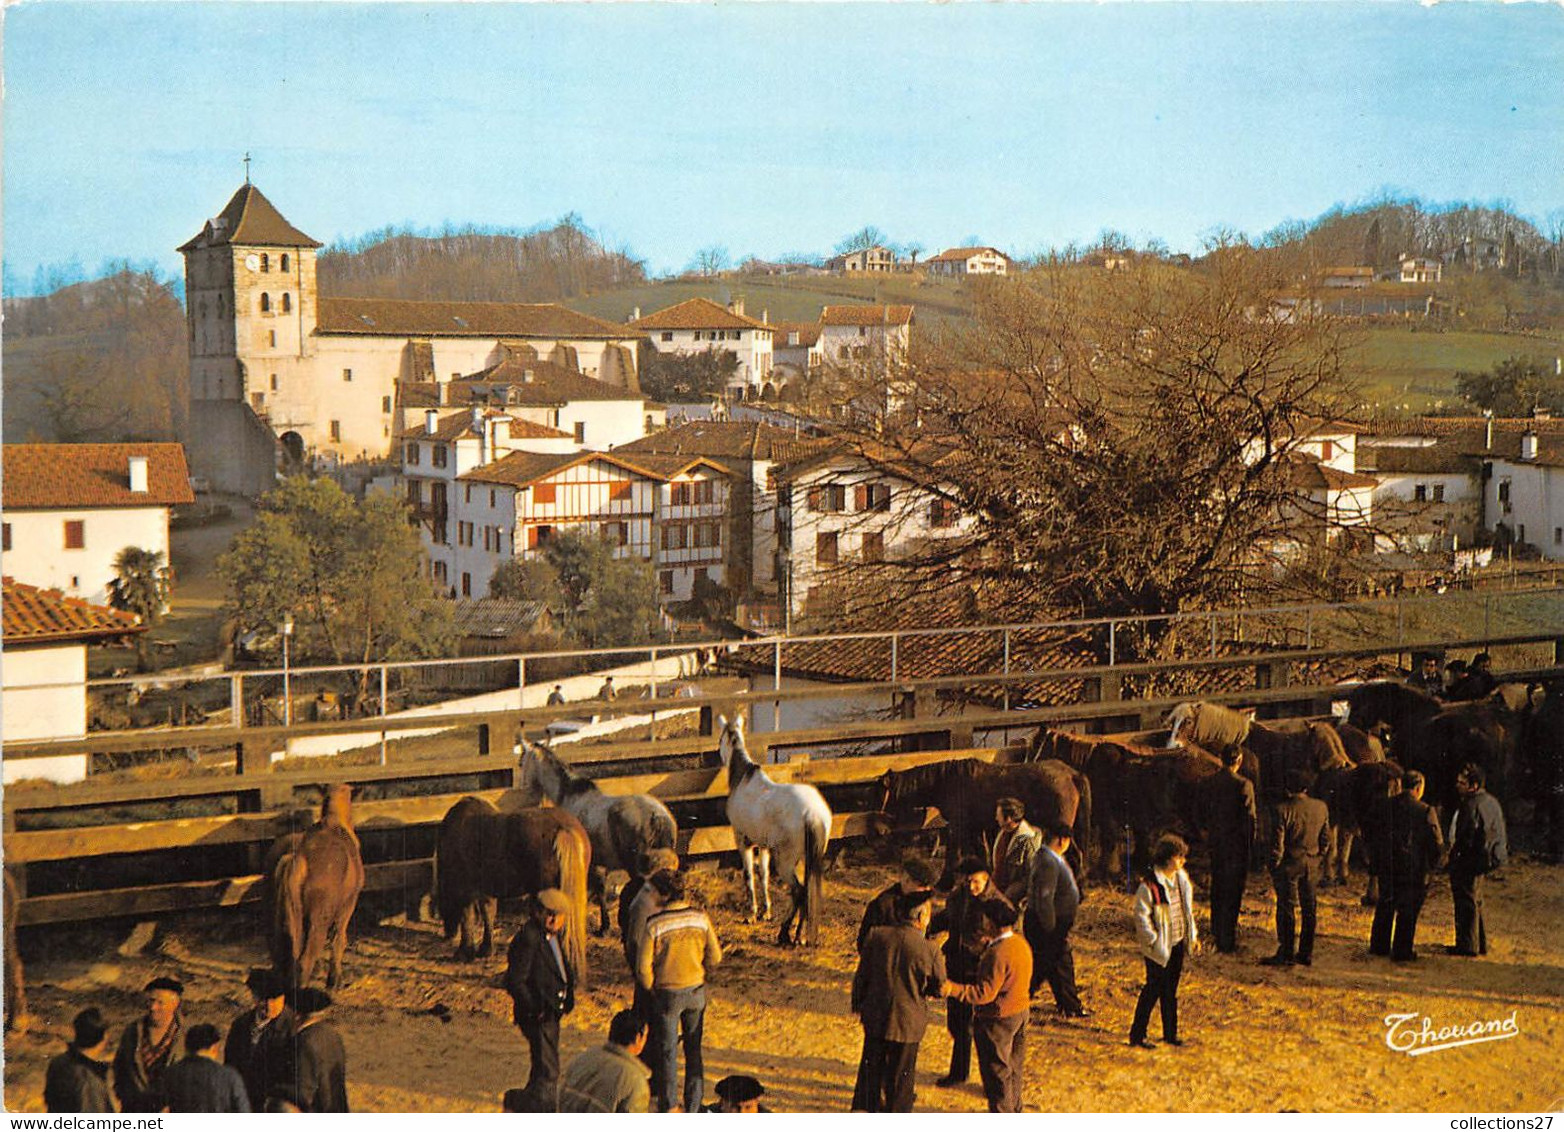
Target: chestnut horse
[(315, 887)]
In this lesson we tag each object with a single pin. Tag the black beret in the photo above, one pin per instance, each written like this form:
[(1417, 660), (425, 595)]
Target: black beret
[(163, 982), (739, 1089)]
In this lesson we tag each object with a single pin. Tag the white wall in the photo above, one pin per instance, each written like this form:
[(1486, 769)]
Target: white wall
[(752, 347), (44, 697), (1536, 503), (39, 558)]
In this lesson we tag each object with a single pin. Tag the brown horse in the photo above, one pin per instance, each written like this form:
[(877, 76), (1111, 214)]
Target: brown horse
[(484, 856), (16, 1016), (315, 888)]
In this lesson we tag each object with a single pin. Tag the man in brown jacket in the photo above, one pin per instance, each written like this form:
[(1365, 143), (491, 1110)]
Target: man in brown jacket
[(1001, 1000), (897, 970)]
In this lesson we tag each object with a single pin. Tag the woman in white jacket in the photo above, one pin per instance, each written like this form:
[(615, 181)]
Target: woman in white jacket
[(1165, 932)]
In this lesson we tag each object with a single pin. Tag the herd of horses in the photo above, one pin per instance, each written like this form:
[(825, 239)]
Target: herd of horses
[(560, 830)]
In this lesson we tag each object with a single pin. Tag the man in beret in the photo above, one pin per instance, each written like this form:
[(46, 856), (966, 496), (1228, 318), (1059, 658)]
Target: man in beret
[(201, 1082), (917, 876), (542, 987), (147, 1048), (739, 1093), (260, 1041), (320, 1060), (77, 1080)]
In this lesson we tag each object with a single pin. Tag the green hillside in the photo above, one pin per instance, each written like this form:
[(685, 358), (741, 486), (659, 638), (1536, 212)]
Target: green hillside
[(786, 298), (1416, 368)]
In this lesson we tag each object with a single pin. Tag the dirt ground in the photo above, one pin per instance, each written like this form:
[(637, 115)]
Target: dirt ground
[(1258, 1039)]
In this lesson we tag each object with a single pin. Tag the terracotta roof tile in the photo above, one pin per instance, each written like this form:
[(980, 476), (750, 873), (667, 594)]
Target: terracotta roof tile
[(808, 334), (32, 615), (459, 424), (859, 315), (958, 254), (91, 475), (549, 384), (249, 219), (697, 314), (730, 440), (400, 318)]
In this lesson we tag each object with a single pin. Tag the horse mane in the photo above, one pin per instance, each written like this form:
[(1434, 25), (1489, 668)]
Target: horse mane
[(920, 779), (740, 765)]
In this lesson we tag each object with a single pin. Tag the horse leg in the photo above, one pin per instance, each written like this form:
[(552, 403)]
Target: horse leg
[(489, 907), (1332, 851), (747, 859), (465, 949), (1344, 856), (340, 942), (765, 881), (600, 886)]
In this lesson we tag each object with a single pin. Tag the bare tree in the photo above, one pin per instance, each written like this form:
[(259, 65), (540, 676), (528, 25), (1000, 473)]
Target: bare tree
[(862, 240), (713, 260)]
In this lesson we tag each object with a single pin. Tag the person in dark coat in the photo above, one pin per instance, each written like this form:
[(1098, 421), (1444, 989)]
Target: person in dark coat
[(1413, 849), (917, 876), (1053, 897), (1230, 823), (1300, 835), (1478, 845), (542, 988), (1478, 682), (147, 1048), (969, 932), (78, 1079), (1010, 856), (201, 1082), (320, 1074), (1427, 677), (260, 1041), (898, 969)]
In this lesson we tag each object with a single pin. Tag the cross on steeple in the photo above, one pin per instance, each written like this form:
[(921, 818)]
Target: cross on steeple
[(247, 168)]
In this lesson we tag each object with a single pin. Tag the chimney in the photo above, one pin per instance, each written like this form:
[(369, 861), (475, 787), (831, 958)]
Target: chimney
[(736, 306), (1528, 445), (138, 474), (635, 314), (431, 421), (1488, 431), (765, 315), (477, 418)]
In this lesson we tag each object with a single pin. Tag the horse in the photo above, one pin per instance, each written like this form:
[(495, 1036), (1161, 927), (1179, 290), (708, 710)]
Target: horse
[(484, 856), (788, 820), (621, 828), (965, 792), (1543, 748), (1146, 791), (1355, 798), (315, 887), (1304, 747)]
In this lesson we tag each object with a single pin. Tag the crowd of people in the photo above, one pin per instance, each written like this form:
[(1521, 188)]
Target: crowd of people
[(1005, 923)]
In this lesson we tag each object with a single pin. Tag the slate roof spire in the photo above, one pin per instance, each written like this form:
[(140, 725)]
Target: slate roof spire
[(249, 219)]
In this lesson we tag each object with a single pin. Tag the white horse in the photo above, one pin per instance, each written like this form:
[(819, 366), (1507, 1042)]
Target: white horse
[(621, 827), (791, 821)]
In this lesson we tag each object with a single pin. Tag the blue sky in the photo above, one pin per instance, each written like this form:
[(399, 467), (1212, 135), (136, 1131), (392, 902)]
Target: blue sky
[(764, 127)]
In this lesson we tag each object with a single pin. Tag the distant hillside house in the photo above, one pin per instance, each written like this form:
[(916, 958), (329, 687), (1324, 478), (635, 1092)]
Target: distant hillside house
[(957, 262), (46, 635), (69, 509), (277, 367), (1421, 269), (669, 511), (865, 335), (696, 325), (875, 259), (1349, 278)]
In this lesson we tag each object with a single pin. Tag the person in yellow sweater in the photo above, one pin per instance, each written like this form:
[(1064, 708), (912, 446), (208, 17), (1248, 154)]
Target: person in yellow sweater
[(1000, 1000), (677, 947)]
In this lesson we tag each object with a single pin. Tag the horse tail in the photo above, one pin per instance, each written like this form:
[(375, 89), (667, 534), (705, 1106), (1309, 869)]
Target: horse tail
[(1083, 821), (817, 835), (288, 911), (572, 853)]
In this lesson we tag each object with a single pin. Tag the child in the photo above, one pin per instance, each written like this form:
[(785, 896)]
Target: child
[(1165, 931)]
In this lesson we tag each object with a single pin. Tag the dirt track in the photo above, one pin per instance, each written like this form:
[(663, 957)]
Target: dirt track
[(1259, 1040)]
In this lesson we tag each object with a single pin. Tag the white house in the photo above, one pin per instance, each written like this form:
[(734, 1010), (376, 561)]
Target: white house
[(875, 259), (45, 673), (836, 511), (877, 335), (69, 509), (1525, 492), (959, 262), (1421, 269), (795, 348), (669, 511), (595, 413), (696, 325)]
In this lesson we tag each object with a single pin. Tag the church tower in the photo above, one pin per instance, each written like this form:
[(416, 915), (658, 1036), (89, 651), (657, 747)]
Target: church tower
[(250, 300)]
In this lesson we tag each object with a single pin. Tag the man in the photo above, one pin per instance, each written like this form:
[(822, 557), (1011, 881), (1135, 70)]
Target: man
[(201, 1082), (1000, 1001), (612, 1077), (260, 1041), (542, 988), (607, 693), (1478, 845), (1014, 847), (557, 697), (320, 1060), (917, 876), (77, 1080), (1414, 847), (1053, 896), (738, 1093), (677, 948), (1230, 822), (1300, 835), (147, 1048), (1427, 676), (638, 899), (1477, 683), (897, 970), (969, 933)]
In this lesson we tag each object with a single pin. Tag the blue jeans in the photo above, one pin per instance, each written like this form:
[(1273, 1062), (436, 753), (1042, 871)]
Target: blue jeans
[(678, 1015)]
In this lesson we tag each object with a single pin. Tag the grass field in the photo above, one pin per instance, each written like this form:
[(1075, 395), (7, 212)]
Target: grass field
[(1416, 368)]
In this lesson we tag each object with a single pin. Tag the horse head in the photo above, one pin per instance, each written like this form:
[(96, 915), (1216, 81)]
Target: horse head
[(535, 777), (336, 805), (730, 743), (1181, 715)]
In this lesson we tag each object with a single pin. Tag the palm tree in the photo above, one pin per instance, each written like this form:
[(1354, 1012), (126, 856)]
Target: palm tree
[(140, 586)]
